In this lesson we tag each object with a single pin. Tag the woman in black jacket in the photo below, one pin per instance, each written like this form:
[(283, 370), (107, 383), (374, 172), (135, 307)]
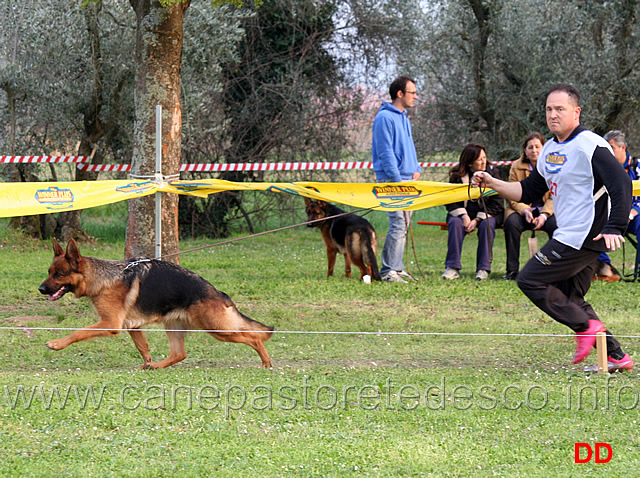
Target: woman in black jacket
[(466, 216)]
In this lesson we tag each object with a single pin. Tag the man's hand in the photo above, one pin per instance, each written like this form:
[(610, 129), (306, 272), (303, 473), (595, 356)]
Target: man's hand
[(416, 175), (508, 190), (481, 179), (612, 241)]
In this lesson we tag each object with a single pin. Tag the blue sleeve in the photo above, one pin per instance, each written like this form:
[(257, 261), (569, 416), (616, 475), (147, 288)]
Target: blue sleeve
[(633, 175), (383, 131)]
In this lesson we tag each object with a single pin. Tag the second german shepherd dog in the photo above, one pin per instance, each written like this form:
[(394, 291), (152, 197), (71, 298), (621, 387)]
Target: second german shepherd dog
[(130, 294), (350, 235)]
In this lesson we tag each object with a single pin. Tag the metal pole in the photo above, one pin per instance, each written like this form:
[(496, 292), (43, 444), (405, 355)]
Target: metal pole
[(159, 180)]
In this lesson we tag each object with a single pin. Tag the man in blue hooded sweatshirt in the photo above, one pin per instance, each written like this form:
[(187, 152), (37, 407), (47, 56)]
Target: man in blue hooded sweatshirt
[(395, 160)]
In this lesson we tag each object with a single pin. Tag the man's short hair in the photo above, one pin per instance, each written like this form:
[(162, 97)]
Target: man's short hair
[(399, 84), (617, 136), (570, 90)]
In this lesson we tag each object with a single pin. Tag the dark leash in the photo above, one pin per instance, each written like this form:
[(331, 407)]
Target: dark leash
[(306, 223), (484, 207), (413, 245), (481, 201), (262, 233)]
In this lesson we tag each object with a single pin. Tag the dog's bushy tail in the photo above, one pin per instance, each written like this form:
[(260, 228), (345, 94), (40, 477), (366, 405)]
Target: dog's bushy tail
[(369, 254)]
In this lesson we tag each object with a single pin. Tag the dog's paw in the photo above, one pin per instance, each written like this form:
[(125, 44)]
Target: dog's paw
[(55, 345), (147, 366)]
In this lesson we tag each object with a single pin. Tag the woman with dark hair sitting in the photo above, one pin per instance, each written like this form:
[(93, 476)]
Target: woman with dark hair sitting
[(466, 216), (520, 217)]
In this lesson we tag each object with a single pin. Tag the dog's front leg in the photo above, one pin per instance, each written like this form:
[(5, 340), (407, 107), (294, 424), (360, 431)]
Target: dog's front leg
[(331, 249), (110, 324), (100, 329), (331, 258)]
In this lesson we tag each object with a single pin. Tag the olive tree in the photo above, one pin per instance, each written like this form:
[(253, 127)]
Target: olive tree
[(486, 66), (71, 102)]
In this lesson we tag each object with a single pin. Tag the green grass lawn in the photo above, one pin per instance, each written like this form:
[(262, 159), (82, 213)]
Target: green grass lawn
[(395, 380)]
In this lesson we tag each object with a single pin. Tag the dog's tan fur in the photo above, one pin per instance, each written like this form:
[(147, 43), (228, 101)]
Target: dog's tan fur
[(131, 294)]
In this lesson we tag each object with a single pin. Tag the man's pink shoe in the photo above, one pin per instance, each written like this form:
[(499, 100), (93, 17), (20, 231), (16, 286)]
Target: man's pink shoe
[(625, 364), (586, 340)]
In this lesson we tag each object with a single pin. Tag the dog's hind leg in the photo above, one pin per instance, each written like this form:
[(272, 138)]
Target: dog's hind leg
[(219, 317), (177, 352), (252, 339), (258, 346), (354, 251), (142, 345), (369, 253)]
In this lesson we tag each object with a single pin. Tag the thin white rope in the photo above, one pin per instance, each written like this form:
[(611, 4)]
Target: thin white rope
[(326, 332)]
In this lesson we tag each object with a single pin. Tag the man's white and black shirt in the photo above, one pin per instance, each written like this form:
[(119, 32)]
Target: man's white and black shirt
[(591, 190)]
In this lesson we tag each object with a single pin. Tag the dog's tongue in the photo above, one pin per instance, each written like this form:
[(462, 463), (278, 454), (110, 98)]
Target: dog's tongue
[(57, 295)]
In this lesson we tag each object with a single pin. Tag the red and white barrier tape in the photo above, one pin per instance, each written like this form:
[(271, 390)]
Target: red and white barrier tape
[(221, 167), (43, 159), (104, 167), (449, 164), (276, 166)]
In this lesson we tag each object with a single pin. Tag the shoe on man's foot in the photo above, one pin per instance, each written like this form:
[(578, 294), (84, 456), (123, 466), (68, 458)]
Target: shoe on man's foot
[(586, 340), (482, 275), (513, 275), (393, 276), (450, 273), (625, 364), (406, 276)]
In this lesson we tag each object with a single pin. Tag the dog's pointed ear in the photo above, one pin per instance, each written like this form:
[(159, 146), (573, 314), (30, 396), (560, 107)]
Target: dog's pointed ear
[(72, 254), (307, 201), (57, 250)]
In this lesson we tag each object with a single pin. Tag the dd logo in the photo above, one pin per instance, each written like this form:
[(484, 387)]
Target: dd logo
[(598, 447)]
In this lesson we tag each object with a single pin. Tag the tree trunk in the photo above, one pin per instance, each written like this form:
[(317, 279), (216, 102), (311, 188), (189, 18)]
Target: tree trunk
[(69, 222), (482, 13), (159, 40), (625, 66)]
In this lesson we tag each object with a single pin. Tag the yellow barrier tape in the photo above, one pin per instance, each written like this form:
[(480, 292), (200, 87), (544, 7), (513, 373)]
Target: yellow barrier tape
[(380, 196), (24, 199)]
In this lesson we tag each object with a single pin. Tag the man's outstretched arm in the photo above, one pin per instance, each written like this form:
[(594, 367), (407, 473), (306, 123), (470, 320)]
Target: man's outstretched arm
[(508, 190)]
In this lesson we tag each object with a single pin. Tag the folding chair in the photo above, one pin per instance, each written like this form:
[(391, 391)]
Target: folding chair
[(634, 275)]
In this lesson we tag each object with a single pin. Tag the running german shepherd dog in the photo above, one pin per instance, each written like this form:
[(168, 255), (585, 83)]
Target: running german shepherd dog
[(350, 235), (130, 294)]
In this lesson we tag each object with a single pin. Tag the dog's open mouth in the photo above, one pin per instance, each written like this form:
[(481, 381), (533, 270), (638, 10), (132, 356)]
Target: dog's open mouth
[(60, 292)]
